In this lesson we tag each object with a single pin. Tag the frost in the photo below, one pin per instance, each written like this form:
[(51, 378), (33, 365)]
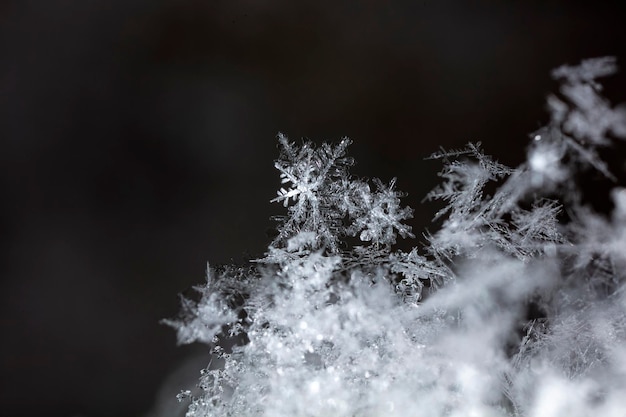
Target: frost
[(515, 306)]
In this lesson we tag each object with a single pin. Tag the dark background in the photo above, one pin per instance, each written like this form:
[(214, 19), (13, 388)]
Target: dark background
[(138, 138)]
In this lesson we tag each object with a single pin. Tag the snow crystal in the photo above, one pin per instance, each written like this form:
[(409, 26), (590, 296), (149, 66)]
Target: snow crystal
[(514, 307)]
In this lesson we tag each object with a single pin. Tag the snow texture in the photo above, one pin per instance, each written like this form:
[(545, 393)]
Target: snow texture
[(514, 307)]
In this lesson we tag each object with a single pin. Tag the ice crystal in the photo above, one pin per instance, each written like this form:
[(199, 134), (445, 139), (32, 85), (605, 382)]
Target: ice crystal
[(324, 196), (514, 307)]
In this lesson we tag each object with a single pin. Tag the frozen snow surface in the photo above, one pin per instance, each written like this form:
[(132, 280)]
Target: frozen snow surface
[(514, 307)]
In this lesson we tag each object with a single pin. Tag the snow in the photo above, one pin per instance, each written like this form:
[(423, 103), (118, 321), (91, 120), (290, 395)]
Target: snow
[(326, 327)]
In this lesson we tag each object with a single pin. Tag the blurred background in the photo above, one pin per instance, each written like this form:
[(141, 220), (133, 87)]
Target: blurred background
[(138, 139)]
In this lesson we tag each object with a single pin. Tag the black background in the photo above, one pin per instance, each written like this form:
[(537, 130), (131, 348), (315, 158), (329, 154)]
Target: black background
[(138, 138)]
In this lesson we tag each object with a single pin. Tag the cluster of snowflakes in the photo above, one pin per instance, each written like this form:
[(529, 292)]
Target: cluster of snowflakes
[(334, 322)]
